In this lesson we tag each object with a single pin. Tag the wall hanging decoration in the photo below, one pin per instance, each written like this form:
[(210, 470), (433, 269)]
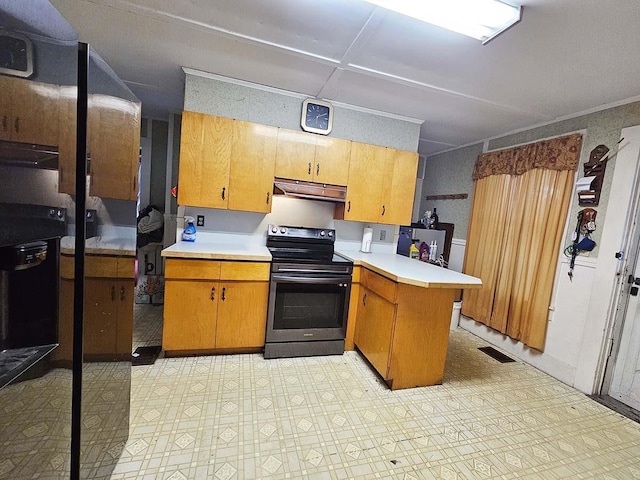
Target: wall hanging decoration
[(590, 186)]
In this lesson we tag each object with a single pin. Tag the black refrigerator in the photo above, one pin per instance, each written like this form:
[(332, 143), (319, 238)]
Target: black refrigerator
[(63, 413)]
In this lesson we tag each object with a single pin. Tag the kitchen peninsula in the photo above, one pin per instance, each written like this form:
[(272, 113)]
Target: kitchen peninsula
[(399, 310)]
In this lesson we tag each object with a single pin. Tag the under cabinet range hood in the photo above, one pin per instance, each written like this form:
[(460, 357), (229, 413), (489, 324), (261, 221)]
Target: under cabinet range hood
[(28, 155), (309, 190)]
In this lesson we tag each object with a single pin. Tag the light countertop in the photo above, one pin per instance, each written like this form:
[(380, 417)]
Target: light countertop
[(409, 271), (218, 250), (121, 246)]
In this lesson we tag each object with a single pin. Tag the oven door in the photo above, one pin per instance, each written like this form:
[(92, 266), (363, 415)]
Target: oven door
[(304, 307)]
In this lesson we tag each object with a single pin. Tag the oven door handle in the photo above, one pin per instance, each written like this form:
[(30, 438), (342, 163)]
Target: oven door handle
[(314, 280), (344, 273)]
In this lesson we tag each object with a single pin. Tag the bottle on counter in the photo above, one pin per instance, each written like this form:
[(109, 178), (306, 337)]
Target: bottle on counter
[(433, 220), (414, 252), (189, 232), (424, 252)]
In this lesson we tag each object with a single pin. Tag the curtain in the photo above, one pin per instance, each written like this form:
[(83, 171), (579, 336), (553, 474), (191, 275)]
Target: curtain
[(520, 206)]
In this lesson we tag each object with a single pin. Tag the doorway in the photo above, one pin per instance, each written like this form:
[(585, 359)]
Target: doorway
[(622, 372)]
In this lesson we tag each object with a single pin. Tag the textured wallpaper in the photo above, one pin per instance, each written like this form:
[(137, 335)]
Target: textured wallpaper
[(216, 97), (448, 173)]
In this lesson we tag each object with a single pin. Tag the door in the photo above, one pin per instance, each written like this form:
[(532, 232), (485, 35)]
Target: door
[(6, 122), (100, 316), (252, 166), (295, 155), (124, 307), (205, 156), (67, 143), (366, 179), (190, 309), (397, 196), (374, 329), (242, 314), (332, 160), (34, 112)]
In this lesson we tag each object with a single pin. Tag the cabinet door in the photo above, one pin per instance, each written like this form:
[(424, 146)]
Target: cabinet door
[(114, 149), (332, 160), (100, 313), (124, 330), (366, 178), (6, 120), (67, 144), (374, 329), (398, 189), (242, 314), (190, 309), (252, 166), (205, 156), (295, 156), (34, 112)]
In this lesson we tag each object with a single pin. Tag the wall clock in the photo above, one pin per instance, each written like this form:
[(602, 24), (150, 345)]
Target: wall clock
[(317, 116), (16, 54)]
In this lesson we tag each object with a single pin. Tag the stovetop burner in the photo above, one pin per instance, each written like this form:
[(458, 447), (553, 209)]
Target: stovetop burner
[(303, 245), (22, 223)]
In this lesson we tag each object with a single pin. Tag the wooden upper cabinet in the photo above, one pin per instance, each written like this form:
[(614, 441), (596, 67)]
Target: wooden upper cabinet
[(253, 158), (332, 160), (312, 158), (114, 147), (205, 159), (366, 180), (399, 188), (67, 111), (28, 111), (295, 157)]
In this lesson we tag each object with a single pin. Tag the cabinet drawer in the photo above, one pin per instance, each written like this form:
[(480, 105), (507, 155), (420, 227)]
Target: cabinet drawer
[(244, 271), (99, 266), (377, 283), (192, 269)]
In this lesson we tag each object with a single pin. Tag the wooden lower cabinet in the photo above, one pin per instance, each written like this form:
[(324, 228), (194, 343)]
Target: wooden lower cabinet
[(108, 308), (403, 330), (225, 309)]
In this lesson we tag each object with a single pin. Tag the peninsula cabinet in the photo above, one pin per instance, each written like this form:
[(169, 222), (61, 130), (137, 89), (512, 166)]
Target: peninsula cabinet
[(214, 305), (403, 329), (381, 185), (312, 158), (108, 317), (28, 111), (226, 163)]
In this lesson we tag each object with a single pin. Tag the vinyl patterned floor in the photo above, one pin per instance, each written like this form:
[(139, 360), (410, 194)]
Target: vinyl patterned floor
[(243, 417)]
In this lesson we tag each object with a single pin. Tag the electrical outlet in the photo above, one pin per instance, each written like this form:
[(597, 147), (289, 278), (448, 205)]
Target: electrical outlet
[(383, 234), (200, 222)]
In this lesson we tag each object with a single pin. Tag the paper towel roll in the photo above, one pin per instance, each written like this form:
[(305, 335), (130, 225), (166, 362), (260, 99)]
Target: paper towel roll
[(367, 236)]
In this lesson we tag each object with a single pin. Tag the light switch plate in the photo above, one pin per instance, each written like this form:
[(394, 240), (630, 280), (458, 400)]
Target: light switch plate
[(200, 221), (383, 234)]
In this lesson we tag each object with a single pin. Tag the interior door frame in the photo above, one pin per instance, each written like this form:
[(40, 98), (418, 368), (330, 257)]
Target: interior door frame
[(630, 251)]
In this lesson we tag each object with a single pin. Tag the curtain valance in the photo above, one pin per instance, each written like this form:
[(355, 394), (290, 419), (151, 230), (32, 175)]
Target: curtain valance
[(560, 153)]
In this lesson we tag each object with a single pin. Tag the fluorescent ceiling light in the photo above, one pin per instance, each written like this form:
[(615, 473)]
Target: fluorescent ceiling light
[(481, 19)]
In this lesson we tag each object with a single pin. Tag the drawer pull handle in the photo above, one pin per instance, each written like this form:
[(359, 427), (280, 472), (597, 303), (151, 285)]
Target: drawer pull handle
[(317, 169), (383, 210), (268, 198), (223, 189), (349, 206), (364, 299), (309, 172), (224, 289), (213, 293), (122, 294)]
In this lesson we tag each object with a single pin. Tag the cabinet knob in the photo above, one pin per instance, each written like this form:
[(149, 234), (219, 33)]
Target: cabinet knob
[(122, 294), (383, 210), (309, 172), (349, 206), (224, 289), (364, 299), (223, 189), (317, 169), (213, 293), (268, 195)]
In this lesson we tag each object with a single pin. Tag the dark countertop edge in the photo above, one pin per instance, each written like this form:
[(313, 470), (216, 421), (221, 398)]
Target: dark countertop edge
[(11, 375)]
